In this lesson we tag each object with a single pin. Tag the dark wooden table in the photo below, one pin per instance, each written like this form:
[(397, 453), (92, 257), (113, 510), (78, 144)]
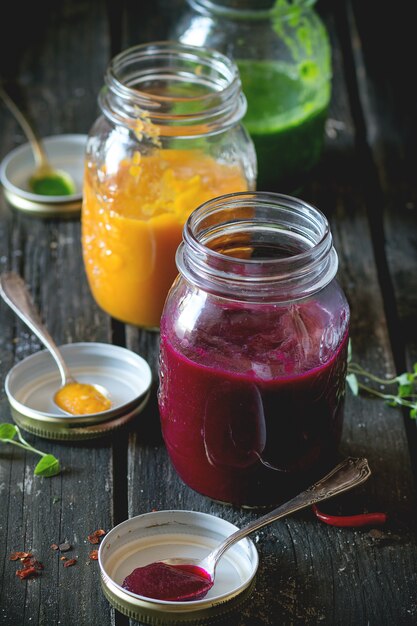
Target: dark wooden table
[(310, 573)]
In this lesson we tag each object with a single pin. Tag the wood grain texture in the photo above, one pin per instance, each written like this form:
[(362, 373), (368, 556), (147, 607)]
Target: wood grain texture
[(392, 137), (309, 573), (36, 512)]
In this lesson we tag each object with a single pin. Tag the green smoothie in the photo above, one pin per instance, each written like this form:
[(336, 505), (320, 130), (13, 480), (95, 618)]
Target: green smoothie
[(287, 110)]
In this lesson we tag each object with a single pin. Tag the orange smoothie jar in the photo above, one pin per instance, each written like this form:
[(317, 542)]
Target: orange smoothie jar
[(168, 139)]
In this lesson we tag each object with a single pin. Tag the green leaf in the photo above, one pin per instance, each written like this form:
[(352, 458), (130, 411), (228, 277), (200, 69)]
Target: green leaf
[(47, 466), (7, 431), (352, 381), (405, 390), (404, 379), (405, 385)]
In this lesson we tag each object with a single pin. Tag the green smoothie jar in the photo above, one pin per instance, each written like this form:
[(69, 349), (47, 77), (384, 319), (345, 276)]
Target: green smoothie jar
[(283, 53)]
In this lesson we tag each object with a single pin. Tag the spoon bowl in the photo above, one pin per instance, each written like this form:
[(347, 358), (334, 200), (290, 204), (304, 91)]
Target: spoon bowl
[(73, 397)]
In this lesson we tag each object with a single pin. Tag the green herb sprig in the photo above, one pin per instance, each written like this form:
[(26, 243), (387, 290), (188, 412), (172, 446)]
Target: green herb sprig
[(47, 466), (405, 385)]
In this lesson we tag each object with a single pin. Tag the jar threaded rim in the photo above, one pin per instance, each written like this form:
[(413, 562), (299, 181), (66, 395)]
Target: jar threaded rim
[(182, 90), (262, 219)]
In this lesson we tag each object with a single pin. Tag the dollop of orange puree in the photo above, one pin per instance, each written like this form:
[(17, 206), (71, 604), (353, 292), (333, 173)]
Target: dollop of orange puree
[(132, 224), (81, 399)]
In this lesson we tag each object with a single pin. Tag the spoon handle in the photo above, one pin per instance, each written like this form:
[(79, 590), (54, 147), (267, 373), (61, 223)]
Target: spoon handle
[(349, 473), (37, 147), (14, 292)]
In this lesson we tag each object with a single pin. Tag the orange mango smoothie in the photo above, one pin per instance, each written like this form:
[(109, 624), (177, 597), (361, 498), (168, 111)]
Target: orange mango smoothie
[(132, 224)]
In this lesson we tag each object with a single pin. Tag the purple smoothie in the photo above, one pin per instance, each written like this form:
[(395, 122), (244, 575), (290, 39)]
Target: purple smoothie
[(251, 399)]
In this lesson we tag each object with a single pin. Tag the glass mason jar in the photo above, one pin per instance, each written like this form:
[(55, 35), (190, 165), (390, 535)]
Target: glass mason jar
[(283, 53), (168, 138), (253, 352)]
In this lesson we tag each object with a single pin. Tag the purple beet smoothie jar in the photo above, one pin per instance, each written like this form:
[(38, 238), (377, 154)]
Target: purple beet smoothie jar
[(253, 352)]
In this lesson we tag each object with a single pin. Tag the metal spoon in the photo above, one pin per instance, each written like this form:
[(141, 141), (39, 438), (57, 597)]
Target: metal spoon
[(45, 179), (14, 292), (348, 474)]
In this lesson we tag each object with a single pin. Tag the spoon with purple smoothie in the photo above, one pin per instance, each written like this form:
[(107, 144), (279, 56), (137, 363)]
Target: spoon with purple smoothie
[(184, 580)]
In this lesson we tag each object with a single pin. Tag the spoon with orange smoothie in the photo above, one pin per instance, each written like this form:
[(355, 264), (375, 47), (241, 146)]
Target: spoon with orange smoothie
[(72, 397)]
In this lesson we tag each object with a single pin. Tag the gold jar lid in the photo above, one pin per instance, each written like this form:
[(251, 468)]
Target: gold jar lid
[(31, 384), (168, 534)]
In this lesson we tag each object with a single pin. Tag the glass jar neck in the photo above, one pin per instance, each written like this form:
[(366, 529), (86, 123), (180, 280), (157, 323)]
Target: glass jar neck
[(250, 9), (172, 89), (258, 247)]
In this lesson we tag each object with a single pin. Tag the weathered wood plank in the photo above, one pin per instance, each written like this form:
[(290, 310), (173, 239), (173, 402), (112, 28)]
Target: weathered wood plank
[(61, 72), (392, 139), (309, 573)]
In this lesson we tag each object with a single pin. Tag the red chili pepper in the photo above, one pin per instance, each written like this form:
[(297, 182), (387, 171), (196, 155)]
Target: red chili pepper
[(346, 521)]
